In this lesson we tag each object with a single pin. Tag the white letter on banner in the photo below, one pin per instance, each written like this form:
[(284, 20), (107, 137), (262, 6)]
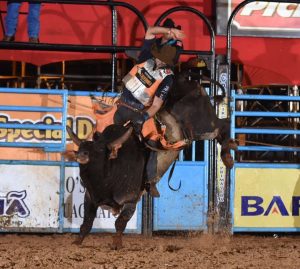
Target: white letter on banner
[(249, 8), (297, 12), (285, 10), (270, 10)]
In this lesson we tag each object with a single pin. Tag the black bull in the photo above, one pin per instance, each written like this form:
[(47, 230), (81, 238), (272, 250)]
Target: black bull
[(112, 165)]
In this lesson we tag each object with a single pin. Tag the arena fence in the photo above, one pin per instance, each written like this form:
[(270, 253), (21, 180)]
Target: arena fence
[(265, 194), (46, 173), (41, 191)]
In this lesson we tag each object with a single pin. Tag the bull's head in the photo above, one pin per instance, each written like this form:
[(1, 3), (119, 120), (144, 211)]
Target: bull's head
[(98, 145)]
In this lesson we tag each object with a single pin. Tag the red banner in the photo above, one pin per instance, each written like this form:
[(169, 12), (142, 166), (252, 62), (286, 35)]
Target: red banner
[(259, 18)]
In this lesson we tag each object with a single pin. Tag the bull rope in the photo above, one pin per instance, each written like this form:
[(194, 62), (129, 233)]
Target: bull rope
[(265, 144), (170, 177)]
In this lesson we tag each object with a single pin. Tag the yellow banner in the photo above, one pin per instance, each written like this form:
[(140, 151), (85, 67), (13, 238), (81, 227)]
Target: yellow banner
[(267, 198)]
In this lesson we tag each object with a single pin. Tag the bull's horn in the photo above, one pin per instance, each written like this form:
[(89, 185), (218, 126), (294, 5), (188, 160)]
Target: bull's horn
[(73, 136), (121, 140), (117, 144)]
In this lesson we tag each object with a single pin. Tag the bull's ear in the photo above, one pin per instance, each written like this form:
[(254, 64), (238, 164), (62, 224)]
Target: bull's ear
[(116, 144), (73, 136)]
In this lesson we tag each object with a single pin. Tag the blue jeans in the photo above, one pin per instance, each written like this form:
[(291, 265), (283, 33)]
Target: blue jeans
[(33, 19)]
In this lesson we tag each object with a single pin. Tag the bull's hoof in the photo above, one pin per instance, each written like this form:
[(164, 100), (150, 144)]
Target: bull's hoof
[(227, 160), (115, 211), (152, 189), (233, 145), (117, 242), (78, 241)]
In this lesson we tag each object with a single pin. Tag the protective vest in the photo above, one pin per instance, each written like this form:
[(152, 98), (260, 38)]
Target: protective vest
[(142, 81)]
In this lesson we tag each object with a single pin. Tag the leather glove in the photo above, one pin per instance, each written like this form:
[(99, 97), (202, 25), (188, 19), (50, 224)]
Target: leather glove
[(138, 121)]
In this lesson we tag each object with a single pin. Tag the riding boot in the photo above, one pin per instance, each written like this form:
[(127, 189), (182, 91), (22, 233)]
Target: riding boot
[(151, 175)]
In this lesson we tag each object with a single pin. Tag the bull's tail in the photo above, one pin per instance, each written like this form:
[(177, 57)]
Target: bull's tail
[(217, 98)]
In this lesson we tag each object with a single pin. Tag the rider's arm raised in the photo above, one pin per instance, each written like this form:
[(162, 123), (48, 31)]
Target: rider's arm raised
[(174, 33)]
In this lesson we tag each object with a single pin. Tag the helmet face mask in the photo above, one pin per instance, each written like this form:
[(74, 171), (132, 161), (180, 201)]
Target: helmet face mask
[(166, 54), (159, 63)]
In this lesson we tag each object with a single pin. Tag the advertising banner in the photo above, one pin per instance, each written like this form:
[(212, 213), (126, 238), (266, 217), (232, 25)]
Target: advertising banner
[(29, 197), (267, 198), (266, 19), (74, 209), (29, 200), (29, 194), (80, 117)]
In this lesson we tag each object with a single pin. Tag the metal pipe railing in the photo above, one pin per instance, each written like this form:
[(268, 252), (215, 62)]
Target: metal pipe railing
[(48, 146), (259, 130), (113, 49), (229, 29)]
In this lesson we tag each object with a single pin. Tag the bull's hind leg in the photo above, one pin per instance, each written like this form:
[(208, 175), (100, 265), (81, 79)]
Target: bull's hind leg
[(90, 211), (173, 134), (226, 143), (121, 222)]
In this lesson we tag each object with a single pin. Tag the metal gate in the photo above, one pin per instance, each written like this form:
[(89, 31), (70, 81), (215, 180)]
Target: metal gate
[(188, 208), (265, 192), (185, 209), (22, 191)]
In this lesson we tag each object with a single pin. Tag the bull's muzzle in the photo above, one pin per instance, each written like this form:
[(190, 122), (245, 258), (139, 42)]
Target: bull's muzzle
[(82, 157)]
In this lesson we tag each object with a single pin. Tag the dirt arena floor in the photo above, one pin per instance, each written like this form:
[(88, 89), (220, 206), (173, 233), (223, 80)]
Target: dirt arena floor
[(160, 251)]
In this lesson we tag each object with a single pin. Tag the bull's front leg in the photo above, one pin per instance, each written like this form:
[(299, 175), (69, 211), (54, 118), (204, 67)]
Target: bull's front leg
[(121, 222), (90, 211)]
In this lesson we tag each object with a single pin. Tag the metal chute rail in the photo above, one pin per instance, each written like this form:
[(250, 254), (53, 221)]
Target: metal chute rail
[(264, 183), (259, 130), (61, 109)]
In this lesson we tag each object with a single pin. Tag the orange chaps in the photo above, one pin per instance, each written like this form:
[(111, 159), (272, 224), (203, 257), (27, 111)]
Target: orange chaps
[(105, 116)]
